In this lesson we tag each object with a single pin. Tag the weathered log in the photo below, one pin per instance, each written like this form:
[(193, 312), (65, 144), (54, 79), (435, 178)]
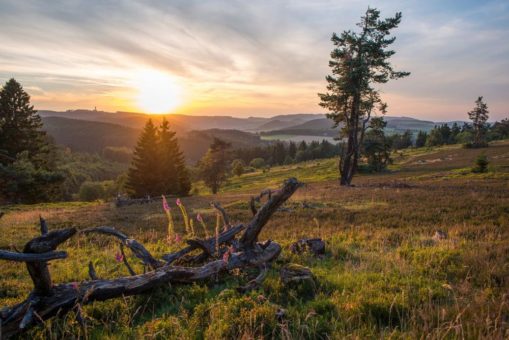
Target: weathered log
[(65, 296), (47, 300)]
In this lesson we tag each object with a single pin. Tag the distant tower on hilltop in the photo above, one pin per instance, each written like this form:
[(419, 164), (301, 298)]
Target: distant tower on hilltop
[(95, 108)]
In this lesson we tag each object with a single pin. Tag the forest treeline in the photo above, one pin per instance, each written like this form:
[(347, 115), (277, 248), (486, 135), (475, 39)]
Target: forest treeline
[(34, 169)]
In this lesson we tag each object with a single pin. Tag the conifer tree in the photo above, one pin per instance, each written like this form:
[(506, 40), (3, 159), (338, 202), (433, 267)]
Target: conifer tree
[(20, 126), (376, 146), (143, 177), (420, 141), (359, 60), (213, 165), (479, 117), (174, 175), (27, 165)]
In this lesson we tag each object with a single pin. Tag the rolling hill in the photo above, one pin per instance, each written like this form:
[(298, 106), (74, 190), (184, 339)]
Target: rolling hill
[(184, 123), (94, 136), (322, 127)]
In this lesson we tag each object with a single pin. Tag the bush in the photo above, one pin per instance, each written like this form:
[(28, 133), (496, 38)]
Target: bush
[(481, 164), (257, 163), (238, 167), (91, 191)]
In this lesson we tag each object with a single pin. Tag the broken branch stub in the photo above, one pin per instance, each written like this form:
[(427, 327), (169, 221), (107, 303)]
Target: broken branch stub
[(263, 215)]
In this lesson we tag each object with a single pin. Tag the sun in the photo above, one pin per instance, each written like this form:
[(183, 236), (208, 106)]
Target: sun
[(158, 92)]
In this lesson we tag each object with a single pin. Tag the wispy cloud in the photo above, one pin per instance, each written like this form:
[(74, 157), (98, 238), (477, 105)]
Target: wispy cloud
[(250, 58)]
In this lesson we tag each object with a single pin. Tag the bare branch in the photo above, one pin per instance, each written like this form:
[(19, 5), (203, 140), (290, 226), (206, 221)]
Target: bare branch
[(137, 248), (220, 209), (91, 271), (124, 259), (44, 225), (263, 215), (208, 245), (253, 284), (24, 257)]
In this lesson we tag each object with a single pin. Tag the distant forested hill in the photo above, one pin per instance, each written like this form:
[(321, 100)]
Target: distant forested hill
[(88, 136), (94, 137)]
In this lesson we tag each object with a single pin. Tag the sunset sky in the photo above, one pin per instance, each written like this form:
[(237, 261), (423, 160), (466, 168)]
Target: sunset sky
[(247, 58)]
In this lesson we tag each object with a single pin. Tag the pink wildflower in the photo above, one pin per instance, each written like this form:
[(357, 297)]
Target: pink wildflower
[(178, 238), (199, 218), (178, 202), (226, 256), (75, 285), (119, 257), (166, 207)]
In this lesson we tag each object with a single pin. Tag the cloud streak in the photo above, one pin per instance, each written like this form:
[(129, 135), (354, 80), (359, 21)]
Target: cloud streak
[(250, 58)]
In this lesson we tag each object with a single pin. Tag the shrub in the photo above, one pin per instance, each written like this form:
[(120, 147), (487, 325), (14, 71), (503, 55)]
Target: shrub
[(257, 163), (481, 164), (238, 167), (91, 191)]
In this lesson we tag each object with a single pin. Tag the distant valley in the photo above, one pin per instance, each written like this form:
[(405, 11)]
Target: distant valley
[(91, 131)]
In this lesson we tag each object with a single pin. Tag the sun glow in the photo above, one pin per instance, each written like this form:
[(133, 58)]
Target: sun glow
[(157, 92)]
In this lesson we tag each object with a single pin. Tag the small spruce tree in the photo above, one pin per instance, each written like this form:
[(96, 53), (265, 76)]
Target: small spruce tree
[(479, 117)]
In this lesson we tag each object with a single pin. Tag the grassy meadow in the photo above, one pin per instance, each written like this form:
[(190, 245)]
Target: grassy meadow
[(383, 275)]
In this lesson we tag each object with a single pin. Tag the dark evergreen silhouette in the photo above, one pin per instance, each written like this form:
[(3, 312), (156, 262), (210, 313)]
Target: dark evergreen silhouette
[(376, 146), (173, 172), (143, 177), (214, 165), (158, 165), (27, 156), (479, 117)]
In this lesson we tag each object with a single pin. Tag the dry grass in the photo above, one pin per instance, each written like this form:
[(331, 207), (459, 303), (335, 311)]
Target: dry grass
[(383, 274)]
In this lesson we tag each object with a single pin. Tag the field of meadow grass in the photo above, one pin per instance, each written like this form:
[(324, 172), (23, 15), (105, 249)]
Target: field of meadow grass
[(383, 274)]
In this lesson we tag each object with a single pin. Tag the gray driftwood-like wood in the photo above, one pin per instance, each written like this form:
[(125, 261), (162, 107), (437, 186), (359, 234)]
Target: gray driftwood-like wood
[(48, 300)]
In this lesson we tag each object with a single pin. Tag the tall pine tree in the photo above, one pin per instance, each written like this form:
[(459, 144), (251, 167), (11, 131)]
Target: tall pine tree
[(174, 175), (143, 177), (479, 117), (358, 61), (27, 163)]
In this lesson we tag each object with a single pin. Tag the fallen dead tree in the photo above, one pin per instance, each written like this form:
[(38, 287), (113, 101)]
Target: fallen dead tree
[(48, 300)]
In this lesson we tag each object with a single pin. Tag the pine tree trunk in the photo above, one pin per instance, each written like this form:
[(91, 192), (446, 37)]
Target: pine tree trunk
[(349, 165)]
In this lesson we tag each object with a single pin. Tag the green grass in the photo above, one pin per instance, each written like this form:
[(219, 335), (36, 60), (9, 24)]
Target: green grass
[(383, 274)]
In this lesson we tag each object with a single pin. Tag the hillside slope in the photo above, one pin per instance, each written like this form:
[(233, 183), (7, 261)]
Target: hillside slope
[(93, 136)]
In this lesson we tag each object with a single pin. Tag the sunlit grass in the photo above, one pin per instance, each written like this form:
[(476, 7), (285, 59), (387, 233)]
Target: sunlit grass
[(383, 274)]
